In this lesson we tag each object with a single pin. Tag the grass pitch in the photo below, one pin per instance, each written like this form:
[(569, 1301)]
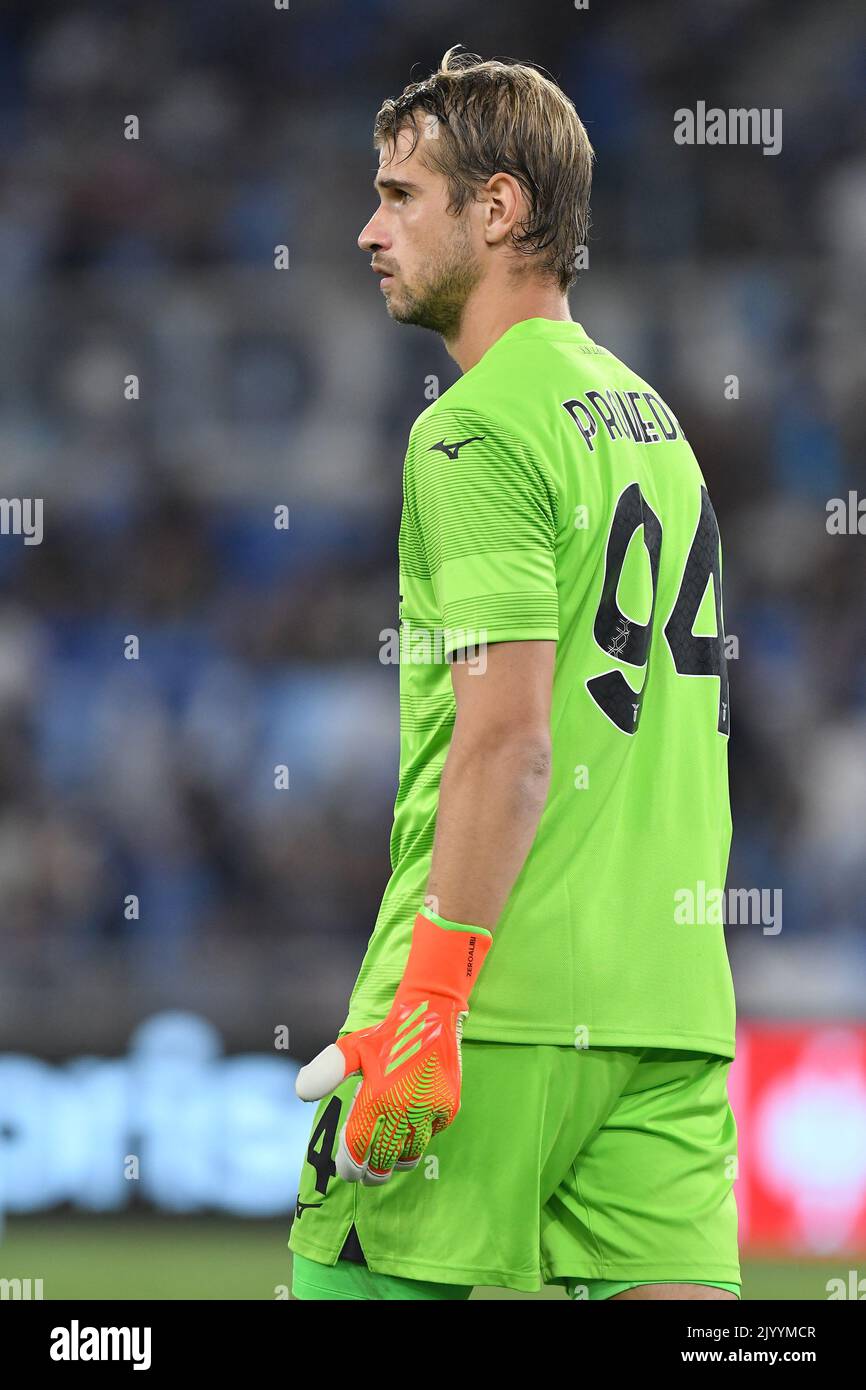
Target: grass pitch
[(148, 1256)]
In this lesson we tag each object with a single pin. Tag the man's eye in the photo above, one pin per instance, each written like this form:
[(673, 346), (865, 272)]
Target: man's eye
[(402, 195)]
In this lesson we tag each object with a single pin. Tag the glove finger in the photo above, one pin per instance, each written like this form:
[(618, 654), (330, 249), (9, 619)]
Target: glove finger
[(404, 1164), (350, 1167), (391, 1146), (415, 1146), (376, 1179), (442, 1118), (328, 1068), (321, 1076), (346, 1166)]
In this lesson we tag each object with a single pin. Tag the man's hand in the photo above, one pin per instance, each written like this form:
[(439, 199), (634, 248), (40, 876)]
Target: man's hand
[(411, 1062)]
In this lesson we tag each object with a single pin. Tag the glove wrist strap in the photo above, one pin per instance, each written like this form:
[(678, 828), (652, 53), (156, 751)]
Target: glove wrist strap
[(445, 959)]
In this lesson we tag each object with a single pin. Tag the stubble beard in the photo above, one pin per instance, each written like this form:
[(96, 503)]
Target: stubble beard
[(439, 300)]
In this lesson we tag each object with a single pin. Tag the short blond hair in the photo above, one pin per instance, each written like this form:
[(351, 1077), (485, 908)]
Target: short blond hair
[(499, 116)]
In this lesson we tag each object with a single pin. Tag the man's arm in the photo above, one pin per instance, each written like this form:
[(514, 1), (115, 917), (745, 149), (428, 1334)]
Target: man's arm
[(495, 780)]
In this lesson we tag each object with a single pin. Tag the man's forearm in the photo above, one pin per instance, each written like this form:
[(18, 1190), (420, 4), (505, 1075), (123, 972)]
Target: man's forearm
[(491, 796)]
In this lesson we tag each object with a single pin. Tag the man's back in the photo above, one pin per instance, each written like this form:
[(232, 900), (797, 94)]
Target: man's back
[(550, 494)]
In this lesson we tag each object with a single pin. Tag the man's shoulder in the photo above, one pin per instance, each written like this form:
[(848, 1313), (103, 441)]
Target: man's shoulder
[(461, 398), (479, 403)]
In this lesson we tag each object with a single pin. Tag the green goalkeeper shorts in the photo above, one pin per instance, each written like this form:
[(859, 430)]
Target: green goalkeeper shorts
[(598, 1169)]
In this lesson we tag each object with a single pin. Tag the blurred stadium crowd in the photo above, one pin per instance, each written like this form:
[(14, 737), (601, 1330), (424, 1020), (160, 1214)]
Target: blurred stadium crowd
[(262, 388)]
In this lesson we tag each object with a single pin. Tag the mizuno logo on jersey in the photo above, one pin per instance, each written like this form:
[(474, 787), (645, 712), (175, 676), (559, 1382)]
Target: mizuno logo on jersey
[(301, 1207), (452, 450)]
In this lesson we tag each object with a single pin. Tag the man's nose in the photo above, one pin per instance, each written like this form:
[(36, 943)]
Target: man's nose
[(374, 237)]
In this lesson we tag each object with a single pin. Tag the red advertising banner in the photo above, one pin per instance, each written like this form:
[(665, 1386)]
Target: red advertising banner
[(799, 1096)]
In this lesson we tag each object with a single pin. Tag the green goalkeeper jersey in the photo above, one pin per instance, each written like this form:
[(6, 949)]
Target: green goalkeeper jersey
[(551, 494)]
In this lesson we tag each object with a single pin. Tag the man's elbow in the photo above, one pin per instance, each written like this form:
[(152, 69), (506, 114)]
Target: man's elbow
[(525, 747), (525, 769), (535, 750)]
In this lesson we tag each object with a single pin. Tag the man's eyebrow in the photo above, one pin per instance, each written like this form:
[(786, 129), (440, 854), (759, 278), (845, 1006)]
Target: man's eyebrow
[(396, 183)]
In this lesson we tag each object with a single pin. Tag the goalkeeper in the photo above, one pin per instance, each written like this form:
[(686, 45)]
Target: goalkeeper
[(531, 1083)]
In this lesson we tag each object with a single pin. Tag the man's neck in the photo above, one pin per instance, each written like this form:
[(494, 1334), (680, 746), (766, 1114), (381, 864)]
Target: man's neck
[(491, 311)]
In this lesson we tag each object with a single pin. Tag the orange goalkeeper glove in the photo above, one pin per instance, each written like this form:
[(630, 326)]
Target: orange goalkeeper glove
[(410, 1063)]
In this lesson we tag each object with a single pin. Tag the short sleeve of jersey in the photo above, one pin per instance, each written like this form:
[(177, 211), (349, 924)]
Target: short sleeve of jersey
[(482, 522)]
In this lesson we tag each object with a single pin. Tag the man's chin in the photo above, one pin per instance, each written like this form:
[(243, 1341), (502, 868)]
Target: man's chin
[(406, 308), (401, 311)]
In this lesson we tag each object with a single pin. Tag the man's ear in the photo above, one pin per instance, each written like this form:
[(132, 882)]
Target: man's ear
[(504, 207)]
